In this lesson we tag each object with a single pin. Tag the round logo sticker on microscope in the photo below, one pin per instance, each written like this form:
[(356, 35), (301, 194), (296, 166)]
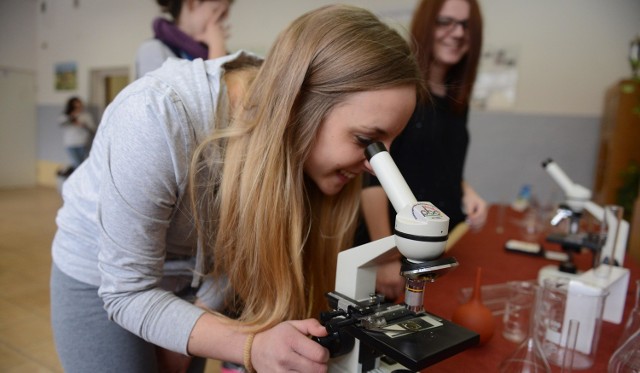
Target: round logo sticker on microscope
[(425, 211)]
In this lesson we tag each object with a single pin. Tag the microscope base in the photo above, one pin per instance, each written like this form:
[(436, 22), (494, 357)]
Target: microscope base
[(414, 351)]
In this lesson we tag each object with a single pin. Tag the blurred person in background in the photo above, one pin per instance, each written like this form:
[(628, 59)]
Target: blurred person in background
[(78, 130), (197, 29), (446, 36)]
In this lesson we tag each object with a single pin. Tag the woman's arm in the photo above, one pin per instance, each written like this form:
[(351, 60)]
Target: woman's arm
[(285, 347), (375, 210), (474, 206), (145, 145)]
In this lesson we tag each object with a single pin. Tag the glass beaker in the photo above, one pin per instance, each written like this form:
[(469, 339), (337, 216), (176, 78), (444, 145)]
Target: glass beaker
[(518, 310), (562, 301)]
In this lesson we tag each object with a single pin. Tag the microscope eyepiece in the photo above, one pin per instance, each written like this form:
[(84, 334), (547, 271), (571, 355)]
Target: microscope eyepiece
[(374, 149)]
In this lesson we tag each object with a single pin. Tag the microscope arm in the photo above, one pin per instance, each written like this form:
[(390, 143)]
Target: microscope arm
[(610, 249), (356, 270), (594, 209)]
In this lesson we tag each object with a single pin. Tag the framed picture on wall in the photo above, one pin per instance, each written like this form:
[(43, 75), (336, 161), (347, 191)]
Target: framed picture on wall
[(66, 76), (496, 83)]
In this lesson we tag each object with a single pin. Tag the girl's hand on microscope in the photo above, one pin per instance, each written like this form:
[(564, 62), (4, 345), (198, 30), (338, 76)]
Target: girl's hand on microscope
[(288, 348)]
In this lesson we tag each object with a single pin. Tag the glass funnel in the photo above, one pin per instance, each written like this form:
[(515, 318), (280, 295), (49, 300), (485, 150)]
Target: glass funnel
[(528, 357)]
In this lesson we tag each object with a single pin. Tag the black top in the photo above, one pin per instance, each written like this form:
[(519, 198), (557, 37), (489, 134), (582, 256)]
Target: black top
[(430, 153)]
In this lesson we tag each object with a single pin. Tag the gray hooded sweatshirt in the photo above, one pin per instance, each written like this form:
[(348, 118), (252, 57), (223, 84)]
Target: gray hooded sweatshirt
[(126, 223)]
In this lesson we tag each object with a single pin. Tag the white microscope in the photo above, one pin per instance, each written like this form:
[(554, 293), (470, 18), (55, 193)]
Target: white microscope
[(365, 333), (607, 272)]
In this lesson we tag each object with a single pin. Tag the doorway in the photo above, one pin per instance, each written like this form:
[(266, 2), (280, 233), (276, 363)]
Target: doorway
[(17, 127), (106, 83)]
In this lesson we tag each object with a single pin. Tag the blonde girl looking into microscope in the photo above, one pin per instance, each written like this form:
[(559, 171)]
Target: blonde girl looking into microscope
[(208, 218)]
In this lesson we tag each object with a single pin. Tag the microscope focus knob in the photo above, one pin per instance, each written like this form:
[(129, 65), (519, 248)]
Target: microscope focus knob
[(338, 343)]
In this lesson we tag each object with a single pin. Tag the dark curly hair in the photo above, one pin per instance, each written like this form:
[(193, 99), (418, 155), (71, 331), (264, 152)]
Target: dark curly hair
[(70, 104)]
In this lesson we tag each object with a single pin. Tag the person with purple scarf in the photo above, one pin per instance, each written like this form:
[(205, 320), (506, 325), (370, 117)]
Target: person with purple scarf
[(198, 29)]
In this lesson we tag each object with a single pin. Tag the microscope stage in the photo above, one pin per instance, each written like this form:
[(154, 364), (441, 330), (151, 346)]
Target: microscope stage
[(418, 350)]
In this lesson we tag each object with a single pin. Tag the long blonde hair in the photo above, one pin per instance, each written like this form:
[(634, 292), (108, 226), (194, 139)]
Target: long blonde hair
[(273, 234)]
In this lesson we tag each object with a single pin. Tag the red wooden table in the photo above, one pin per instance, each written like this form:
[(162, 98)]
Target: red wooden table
[(485, 248)]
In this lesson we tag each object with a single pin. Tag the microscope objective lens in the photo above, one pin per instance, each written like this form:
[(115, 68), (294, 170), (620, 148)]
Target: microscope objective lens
[(414, 294)]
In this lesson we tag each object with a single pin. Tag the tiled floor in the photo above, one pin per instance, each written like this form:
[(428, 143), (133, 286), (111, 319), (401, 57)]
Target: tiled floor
[(26, 229)]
